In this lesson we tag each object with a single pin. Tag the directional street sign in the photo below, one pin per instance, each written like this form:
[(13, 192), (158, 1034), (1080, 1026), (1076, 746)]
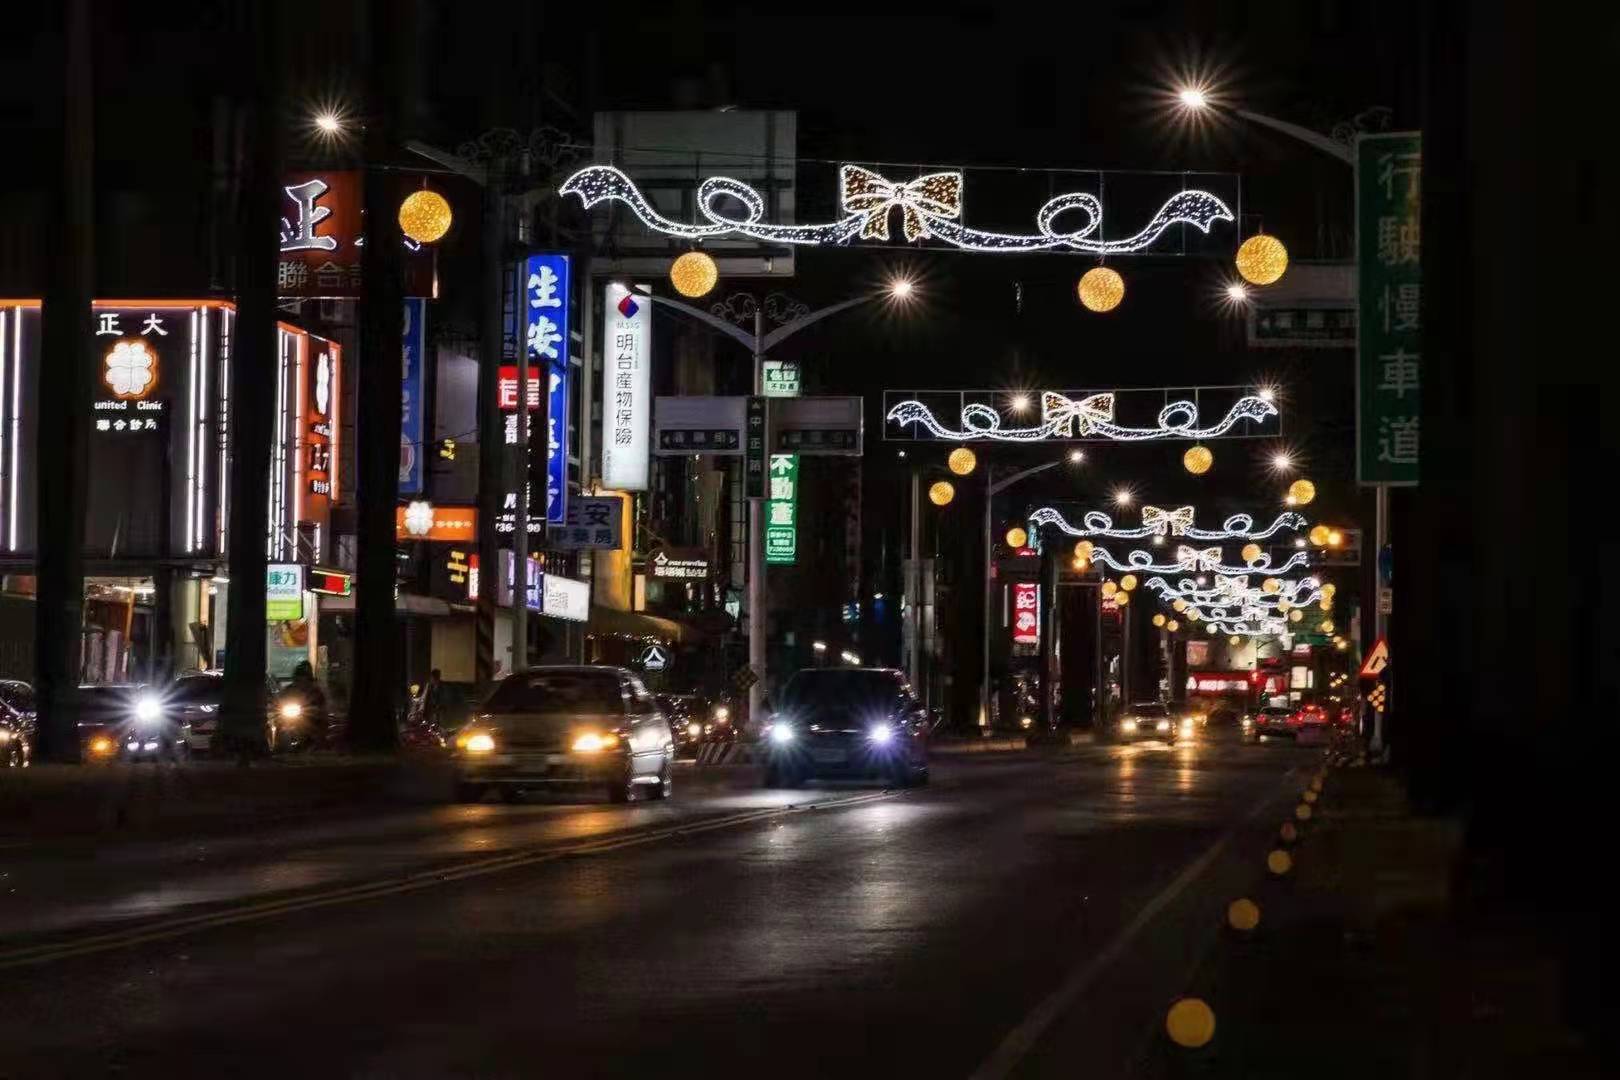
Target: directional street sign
[(1377, 660)]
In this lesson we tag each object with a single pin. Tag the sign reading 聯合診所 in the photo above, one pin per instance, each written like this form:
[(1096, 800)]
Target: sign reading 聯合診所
[(1389, 284)]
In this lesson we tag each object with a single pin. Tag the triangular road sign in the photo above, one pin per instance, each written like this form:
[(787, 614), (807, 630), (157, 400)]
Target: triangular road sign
[(1377, 660)]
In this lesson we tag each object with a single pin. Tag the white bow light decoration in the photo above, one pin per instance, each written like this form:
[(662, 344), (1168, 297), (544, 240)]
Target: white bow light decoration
[(1090, 417), (1161, 522), (930, 209), (1193, 559)]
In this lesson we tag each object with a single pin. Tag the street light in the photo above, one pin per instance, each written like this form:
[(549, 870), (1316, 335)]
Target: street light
[(902, 288), (1123, 497)]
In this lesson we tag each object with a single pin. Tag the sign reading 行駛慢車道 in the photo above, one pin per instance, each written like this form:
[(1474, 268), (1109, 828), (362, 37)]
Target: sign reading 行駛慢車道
[(1389, 285)]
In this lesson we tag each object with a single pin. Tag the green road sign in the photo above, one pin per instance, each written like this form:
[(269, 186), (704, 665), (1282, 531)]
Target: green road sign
[(1389, 300), (782, 509)]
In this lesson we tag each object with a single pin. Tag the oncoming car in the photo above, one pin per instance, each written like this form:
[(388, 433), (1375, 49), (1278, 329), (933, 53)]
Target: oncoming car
[(1153, 720), (847, 722), (567, 726)]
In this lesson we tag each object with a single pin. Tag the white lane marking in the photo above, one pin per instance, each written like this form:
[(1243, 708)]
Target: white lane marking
[(49, 951), (1023, 1038)]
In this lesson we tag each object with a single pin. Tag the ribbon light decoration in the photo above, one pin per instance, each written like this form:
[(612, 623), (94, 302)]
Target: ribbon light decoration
[(930, 208), (1194, 559), (1089, 417), (1160, 522)]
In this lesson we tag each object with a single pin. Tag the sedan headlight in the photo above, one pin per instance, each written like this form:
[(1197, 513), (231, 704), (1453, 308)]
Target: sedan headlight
[(1164, 725), (1128, 725), (781, 734), (880, 733), (477, 742), (593, 743), (148, 709)]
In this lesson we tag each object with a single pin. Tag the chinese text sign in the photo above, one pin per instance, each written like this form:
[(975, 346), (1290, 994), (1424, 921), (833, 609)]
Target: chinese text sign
[(1389, 283)]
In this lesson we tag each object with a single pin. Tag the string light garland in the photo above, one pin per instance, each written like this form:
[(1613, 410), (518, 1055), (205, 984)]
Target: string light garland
[(1262, 259), (930, 209), (1091, 417), (694, 274), (1198, 459), (941, 492), (1101, 289), (962, 461), (1157, 521), (1194, 559)]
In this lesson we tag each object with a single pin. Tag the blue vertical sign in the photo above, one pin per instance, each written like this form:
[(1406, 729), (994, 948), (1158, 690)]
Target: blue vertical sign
[(411, 449), (544, 306)]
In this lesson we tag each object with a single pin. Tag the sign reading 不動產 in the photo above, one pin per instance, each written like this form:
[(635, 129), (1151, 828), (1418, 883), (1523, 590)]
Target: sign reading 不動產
[(543, 305), (1389, 284), (626, 388), (754, 449), (283, 592), (781, 379), (412, 341), (782, 509)]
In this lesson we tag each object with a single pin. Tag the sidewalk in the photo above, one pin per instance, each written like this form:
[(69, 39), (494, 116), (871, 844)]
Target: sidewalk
[(147, 799), (1363, 967)]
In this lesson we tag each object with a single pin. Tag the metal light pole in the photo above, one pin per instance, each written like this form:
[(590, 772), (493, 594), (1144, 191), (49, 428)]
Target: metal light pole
[(992, 488), (913, 586), (759, 344)]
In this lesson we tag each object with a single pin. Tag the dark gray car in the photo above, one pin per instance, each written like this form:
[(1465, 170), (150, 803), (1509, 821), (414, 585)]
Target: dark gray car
[(567, 726), (847, 723)]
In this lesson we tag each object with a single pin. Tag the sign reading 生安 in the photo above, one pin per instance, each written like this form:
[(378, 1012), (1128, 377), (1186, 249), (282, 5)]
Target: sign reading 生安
[(1389, 283), (543, 305), (592, 521), (626, 388), (283, 592), (781, 510), (413, 340)]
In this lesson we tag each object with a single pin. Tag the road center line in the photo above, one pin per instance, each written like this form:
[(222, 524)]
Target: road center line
[(47, 952), (1022, 1039)]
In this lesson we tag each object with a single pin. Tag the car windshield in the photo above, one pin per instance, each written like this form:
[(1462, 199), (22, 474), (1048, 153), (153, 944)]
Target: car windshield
[(558, 692), (195, 689), (1150, 709), (840, 689)]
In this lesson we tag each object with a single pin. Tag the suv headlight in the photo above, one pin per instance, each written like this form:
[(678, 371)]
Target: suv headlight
[(593, 743), (881, 733), (148, 709), (477, 742), (781, 734)]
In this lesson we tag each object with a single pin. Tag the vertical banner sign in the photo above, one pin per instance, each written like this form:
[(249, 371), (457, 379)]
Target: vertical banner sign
[(544, 304), (1026, 613), (754, 449), (781, 510), (1389, 283), (627, 393), (411, 443)]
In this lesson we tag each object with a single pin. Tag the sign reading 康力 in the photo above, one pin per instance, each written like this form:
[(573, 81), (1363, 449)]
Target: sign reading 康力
[(781, 510), (1389, 283), (283, 592)]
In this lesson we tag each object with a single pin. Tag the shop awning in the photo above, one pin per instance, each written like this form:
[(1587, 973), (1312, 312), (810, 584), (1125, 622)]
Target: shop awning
[(639, 624)]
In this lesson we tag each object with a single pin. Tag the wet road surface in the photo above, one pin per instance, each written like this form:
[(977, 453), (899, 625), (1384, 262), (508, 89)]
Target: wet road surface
[(1025, 915)]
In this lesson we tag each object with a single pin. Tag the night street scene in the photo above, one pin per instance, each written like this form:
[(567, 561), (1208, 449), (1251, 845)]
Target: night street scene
[(995, 542)]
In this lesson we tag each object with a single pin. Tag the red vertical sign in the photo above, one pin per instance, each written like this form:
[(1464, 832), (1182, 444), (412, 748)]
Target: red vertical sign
[(1026, 614)]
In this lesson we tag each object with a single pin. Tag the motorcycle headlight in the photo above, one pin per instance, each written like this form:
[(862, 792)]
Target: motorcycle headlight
[(693, 730), (291, 710), (781, 734), (880, 733), (148, 709), (593, 743), (721, 714)]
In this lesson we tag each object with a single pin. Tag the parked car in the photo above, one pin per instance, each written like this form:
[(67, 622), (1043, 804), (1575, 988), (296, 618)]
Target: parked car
[(847, 722), (567, 726), (17, 724)]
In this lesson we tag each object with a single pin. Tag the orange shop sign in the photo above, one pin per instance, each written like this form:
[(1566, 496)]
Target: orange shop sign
[(425, 521)]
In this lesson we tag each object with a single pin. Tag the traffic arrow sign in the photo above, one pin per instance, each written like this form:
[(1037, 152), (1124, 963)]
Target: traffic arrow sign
[(1377, 660)]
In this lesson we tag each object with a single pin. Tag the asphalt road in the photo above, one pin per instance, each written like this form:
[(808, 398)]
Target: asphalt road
[(1025, 915)]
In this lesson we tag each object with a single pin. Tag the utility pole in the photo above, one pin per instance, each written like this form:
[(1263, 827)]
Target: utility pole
[(757, 620), (252, 381), (63, 396), (491, 431), (377, 430)]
